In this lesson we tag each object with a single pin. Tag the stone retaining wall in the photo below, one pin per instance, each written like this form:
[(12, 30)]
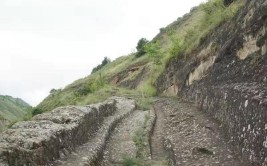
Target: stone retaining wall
[(52, 135), (242, 109)]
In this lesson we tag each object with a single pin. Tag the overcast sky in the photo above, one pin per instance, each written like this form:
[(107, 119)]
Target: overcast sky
[(47, 44)]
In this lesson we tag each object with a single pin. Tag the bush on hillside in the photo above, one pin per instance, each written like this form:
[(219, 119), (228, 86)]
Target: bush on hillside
[(53, 91), (216, 13), (152, 49), (140, 47), (162, 30), (105, 61), (36, 111), (91, 86)]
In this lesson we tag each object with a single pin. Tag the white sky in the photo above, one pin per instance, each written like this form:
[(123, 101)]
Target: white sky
[(47, 44)]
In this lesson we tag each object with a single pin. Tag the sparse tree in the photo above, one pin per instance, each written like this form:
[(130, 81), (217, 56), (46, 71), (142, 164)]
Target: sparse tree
[(105, 61), (140, 47), (141, 43)]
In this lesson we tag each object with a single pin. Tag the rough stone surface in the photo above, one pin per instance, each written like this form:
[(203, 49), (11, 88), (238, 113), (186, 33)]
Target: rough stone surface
[(191, 138), (233, 89), (55, 134), (92, 151), (121, 143)]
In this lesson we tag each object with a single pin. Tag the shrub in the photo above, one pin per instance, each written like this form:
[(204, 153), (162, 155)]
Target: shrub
[(53, 91), (105, 61), (37, 111), (216, 13), (128, 161), (91, 86), (176, 47), (83, 90), (162, 30), (140, 47), (152, 49)]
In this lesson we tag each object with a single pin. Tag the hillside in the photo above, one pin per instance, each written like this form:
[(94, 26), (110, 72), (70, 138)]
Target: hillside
[(141, 73), (212, 61), (12, 109)]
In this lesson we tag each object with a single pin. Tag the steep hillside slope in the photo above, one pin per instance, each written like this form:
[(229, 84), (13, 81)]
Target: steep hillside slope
[(141, 73), (226, 76), (11, 110), (214, 56)]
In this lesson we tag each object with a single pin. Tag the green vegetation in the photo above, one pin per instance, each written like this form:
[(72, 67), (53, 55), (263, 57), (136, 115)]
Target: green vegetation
[(144, 103), (140, 47), (152, 49), (13, 110), (128, 161), (36, 111), (176, 40), (105, 61), (215, 13), (141, 142)]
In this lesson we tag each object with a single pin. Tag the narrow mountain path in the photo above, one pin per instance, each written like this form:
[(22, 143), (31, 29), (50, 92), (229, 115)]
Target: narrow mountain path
[(158, 153), (181, 136), (121, 143), (195, 138)]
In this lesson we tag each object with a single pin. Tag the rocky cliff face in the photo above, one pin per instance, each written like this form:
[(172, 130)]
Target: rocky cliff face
[(226, 76)]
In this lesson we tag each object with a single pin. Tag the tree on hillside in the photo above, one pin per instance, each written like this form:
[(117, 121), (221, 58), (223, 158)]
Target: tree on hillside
[(141, 43), (105, 61), (140, 47)]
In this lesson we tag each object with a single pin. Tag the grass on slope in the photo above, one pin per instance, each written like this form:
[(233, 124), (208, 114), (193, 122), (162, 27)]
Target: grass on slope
[(176, 40), (12, 110), (184, 35)]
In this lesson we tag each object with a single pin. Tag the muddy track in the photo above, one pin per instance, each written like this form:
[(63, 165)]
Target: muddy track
[(193, 138)]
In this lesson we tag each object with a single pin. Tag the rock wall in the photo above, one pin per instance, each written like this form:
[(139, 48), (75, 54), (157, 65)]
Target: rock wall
[(232, 86), (52, 135)]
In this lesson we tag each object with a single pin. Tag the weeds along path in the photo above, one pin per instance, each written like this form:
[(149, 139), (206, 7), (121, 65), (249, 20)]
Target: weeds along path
[(121, 145), (190, 137)]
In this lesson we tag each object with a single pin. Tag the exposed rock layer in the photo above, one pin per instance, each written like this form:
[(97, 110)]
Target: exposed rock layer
[(233, 88)]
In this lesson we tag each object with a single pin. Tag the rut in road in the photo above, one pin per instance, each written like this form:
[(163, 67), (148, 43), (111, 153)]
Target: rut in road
[(158, 153), (121, 142)]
